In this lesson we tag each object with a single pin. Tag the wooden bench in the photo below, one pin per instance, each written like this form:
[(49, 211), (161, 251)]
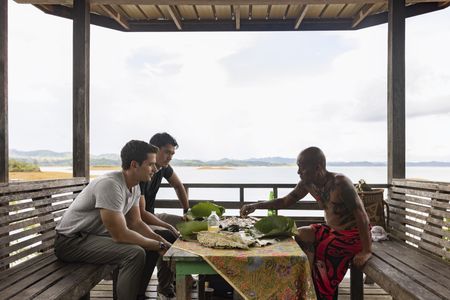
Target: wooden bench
[(29, 269), (414, 263)]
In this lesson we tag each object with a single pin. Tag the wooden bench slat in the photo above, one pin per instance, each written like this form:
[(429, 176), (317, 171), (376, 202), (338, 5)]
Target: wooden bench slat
[(44, 283), (428, 194), (32, 213), (36, 203), (39, 238), (21, 187), (422, 235), (42, 247), (436, 230), (429, 219), (30, 280), (83, 279), (433, 185), (419, 259), (400, 286), (27, 222), (409, 271), (433, 249), (431, 202), (28, 270), (440, 213), (41, 193), (22, 266), (41, 228)]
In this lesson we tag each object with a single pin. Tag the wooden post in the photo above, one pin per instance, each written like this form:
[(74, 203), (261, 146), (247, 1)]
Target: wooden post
[(81, 43), (4, 177), (396, 90)]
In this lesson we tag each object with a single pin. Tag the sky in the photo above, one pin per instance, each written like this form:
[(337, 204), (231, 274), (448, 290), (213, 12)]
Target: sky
[(235, 95)]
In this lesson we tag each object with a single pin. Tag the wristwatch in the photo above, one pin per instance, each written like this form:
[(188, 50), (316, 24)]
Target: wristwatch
[(162, 246)]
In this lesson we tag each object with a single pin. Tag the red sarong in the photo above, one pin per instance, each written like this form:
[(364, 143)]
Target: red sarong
[(334, 250)]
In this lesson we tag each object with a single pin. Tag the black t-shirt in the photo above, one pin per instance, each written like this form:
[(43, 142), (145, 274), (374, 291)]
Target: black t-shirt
[(150, 188)]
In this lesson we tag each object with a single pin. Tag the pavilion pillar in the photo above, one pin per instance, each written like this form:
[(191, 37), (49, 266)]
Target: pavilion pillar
[(4, 155), (396, 90), (81, 70)]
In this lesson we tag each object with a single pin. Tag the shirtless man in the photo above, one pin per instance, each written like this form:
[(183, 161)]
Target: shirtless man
[(346, 235)]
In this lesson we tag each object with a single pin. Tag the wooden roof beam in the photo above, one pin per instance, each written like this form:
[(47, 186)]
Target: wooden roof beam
[(113, 14), (175, 17), (237, 14), (216, 2), (366, 10), (300, 18)]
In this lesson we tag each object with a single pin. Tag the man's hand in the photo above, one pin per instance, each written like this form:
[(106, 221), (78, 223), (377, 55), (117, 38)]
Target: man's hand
[(361, 258), (247, 209), (173, 230)]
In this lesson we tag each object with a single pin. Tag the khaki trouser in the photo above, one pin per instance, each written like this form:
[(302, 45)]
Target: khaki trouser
[(135, 264), (166, 276)]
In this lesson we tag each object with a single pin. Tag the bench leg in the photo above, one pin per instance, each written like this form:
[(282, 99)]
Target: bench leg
[(86, 297), (356, 284)]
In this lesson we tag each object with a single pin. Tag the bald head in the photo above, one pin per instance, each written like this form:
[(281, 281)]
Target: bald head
[(312, 157)]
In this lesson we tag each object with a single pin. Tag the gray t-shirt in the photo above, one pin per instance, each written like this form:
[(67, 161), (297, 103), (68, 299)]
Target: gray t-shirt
[(108, 191)]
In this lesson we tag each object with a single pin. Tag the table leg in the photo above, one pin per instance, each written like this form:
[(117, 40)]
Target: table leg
[(183, 291)]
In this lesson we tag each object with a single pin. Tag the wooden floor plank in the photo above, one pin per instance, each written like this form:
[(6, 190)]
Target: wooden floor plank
[(103, 291)]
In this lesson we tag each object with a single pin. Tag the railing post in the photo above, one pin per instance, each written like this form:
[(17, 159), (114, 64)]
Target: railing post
[(241, 195), (4, 175)]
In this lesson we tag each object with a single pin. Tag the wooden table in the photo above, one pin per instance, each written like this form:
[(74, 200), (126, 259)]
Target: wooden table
[(283, 257), (186, 264)]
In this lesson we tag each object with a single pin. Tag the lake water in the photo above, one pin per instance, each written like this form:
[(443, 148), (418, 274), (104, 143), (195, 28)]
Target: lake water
[(288, 174)]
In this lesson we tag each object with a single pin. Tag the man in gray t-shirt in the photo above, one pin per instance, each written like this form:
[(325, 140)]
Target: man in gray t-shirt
[(103, 224)]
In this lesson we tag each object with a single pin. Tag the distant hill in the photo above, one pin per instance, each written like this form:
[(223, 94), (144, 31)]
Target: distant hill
[(51, 158)]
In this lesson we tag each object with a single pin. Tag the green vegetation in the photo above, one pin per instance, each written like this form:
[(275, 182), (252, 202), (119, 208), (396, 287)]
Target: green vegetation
[(21, 166)]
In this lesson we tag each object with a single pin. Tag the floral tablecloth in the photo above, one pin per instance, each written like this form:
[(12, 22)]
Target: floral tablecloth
[(280, 271)]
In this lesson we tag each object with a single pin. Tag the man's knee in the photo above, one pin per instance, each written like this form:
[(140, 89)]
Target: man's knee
[(134, 253), (306, 238)]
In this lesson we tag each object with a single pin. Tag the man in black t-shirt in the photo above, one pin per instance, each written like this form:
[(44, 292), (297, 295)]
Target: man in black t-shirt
[(163, 224)]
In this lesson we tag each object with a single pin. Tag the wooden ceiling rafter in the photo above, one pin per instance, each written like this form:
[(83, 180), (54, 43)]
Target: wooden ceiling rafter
[(237, 12), (269, 9), (115, 15), (196, 12), (342, 10), (214, 12), (365, 11), (300, 17), (177, 9), (324, 9), (286, 11), (143, 12), (218, 2), (163, 16), (175, 17)]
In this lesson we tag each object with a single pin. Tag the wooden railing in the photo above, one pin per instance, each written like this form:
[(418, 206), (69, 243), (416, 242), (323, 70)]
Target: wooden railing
[(237, 203)]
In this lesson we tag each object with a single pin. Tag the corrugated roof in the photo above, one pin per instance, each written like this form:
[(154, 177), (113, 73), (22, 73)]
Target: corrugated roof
[(237, 15)]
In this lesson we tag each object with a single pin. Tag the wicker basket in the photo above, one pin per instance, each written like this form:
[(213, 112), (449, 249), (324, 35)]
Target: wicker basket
[(374, 205)]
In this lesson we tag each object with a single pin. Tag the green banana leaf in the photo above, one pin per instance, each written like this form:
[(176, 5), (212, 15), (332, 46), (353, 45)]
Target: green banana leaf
[(189, 228), (276, 226), (204, 209)]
